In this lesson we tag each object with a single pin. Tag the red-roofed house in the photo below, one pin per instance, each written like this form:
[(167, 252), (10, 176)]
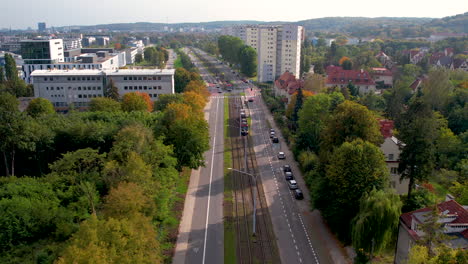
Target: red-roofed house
[(338, 77), (383, 76), (391, 147), (287, 84), (453, 219)]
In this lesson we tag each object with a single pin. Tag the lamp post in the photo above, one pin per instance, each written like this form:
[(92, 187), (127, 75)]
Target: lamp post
[(254, 197)]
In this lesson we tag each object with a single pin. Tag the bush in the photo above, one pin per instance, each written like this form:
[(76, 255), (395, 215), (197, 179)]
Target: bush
[(419, 199)]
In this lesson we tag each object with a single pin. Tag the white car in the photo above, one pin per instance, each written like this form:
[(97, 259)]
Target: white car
[(292, 184), (272, 134), (281, 155)]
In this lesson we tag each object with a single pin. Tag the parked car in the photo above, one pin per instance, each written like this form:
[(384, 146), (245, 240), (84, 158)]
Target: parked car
[(292, 184), (281, 155), (275, 140), (244, 132), (251, 99), (272, 130), (272, 134), (288, 175), (286, 168), (243, 115), (298, 194)]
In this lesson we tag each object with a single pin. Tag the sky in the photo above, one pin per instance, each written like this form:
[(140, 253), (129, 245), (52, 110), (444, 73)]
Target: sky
[(20, 14)]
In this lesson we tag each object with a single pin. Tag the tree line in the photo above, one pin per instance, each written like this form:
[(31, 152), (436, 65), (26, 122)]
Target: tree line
[(234, 51), (98, 186), (335, 136)]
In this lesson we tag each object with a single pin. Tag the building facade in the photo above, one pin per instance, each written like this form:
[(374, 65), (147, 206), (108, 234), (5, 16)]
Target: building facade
[(278, 48), (78, 87), (362, 80), (42, 51)]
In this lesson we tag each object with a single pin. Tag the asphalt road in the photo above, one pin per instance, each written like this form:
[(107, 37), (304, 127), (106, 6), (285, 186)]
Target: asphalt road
[(172, 58), (298, 239), (201, 237)]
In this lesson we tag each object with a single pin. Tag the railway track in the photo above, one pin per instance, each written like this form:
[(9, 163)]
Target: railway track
[(260, 248)]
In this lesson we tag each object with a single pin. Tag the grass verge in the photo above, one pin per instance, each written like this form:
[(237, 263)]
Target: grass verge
[(230, 256), (178, 63)]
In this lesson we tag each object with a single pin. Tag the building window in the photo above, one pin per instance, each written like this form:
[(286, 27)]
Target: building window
[(45, 79), (125, 78), (99, 88), (145, 87), (139, 78), (390, 156), (159, 78), (126, 88), (80, 96), (145, 78), (130, 78), (394, 170), (140, 87)]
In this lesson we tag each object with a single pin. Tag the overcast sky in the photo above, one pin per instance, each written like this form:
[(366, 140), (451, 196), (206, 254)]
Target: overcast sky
[(26, 13)]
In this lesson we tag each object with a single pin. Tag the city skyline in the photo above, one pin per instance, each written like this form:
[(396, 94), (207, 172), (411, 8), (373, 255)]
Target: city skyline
[(89, 12)]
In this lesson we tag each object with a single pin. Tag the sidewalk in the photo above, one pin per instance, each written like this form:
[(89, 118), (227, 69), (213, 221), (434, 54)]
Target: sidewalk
[(322, 237)]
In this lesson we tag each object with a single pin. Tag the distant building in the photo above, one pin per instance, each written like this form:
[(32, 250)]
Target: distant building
[(382, 76), (42, 51), (41, 26), (88, 41), (287, 84), (441, 36), (278, 48), (72, 43), (102, 41), (338, 77), (391, 148), (87, 58), (453, 219), (130, 55), (78, 87)]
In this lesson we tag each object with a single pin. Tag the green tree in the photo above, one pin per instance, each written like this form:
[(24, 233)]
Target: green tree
[(133, 102), (347, 65), (348, 122), (2, 77), (165, 99), (418, 130), (112, 91), (104, 104), (437, 88), (375, 226), (354, 169), (113, 241), (138, 58), (353, 89), (248, 61), (11, 73), (40, 107), (181, 78), (297, 108)]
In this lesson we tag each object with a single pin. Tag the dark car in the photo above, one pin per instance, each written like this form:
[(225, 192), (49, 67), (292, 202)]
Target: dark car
[(251, 99), (275, 140), (244, 132), (288, 175), (286, 168), (298, 194)]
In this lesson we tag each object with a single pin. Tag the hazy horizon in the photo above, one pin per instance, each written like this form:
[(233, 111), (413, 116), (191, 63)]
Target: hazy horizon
[(86, 12)]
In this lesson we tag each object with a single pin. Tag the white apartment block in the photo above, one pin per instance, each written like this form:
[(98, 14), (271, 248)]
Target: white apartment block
[(278, 48), (78, 87), (42, 51)]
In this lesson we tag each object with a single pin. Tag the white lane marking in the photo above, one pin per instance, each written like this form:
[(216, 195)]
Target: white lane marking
[(211, 178)]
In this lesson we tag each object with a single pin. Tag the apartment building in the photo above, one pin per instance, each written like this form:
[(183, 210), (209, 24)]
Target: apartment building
[(278, 48), (78, 87), (42, 51)]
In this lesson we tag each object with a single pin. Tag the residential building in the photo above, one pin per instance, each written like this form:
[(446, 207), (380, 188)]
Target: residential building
[(391, 148), (278, 48), (72, 43), (460, 64), (41, 26), (383, 77), (453, 219), (78, 87), (440, 36), (337, 77), (102, 41), (286, 85), (130, 55), (88, 41)]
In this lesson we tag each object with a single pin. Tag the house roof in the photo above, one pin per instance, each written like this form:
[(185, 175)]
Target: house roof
[(336, 75), (381, 71), (386, 127), (450, 207), (288, 82)]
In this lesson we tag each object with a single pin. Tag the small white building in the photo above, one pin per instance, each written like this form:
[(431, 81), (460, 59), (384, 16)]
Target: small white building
[(78, 87)]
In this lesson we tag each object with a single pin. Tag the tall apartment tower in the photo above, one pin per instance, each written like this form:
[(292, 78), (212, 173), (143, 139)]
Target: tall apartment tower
[(41, 26), (278, 48)]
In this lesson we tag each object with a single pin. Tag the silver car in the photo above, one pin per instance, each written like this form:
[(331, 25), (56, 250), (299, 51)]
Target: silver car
[(292, 184)]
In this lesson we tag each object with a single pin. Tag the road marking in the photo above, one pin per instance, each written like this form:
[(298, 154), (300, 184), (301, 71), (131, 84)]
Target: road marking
[(209, 186)]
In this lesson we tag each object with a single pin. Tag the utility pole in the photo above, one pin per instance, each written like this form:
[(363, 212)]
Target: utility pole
[(254, 199)]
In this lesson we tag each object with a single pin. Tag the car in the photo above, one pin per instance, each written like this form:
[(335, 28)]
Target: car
[(288, 176), (298, 194), (281, 155), (251, 99), (229, 89), (272, 130), (243, 115), (244, 131), (219, 91), (272, 134), (286, 168), (275, 140), (292, 184)]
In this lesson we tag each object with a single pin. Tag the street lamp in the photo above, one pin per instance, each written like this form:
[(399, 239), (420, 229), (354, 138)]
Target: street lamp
[(254, 198)]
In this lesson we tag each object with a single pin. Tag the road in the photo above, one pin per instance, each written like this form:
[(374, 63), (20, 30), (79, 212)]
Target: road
[(302, 236), (172, 58), (201, 232)]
